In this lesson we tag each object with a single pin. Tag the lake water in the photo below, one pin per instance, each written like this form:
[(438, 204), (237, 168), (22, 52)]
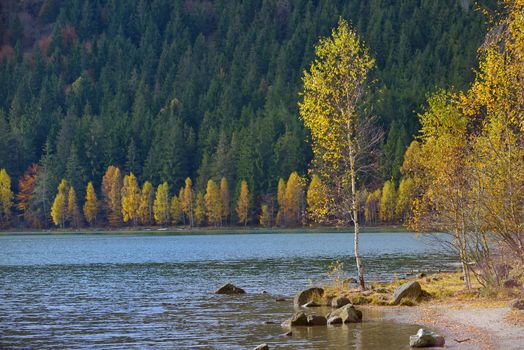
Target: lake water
[(153, 292)]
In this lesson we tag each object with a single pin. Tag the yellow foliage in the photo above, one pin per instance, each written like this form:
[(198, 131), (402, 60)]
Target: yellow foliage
[(388, 202), (317, 201), (59, 207), (200, 209), (176, 210), (161, 205), (6, 199), (91, 205), (145, 207), (225, 198), (130, 199), (242, 208), (213, 203), (73, 212)]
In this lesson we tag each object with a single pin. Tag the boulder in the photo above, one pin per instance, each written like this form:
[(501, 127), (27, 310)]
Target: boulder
[(308, 295), (425, 339), (347, 314), (298, 319), (229, 288), (316, 320), (407, 290), (517, 304), (262, 347), (339, 302)]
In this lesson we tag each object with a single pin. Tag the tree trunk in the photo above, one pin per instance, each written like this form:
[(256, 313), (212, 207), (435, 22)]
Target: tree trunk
[(358, 260)]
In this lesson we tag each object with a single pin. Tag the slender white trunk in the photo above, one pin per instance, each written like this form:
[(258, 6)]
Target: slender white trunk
[(358, 260)]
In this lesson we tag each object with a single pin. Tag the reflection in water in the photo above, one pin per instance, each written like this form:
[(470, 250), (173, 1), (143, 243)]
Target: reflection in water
[(127, 292)]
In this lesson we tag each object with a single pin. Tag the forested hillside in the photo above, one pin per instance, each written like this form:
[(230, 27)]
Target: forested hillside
[(175, 89)]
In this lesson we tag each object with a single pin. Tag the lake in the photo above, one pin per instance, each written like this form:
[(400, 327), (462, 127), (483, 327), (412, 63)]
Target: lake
[(156, 291)]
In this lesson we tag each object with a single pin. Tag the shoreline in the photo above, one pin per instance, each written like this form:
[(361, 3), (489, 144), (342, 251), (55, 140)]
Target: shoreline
[(229, 230), (463, 326)]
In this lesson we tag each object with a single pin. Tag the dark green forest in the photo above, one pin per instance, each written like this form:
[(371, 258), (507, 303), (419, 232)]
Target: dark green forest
[(174, 89)]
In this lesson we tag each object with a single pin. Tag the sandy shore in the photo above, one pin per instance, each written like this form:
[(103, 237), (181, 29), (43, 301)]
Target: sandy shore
[(464, 326)]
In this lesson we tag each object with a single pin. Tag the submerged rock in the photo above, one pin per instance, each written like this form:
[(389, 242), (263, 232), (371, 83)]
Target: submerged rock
[(262, 347), (407, 290), (334, 320), (229, 288), (301, 319), (425, 339), (316, 320), (310, 294)]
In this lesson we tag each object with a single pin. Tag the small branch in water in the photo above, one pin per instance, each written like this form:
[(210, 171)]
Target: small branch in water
[(461, 340)]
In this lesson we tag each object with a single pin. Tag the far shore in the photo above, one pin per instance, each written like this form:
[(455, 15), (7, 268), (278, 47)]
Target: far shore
[(178, 230)]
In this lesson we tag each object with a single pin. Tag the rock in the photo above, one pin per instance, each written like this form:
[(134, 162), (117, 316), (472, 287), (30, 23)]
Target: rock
[(288, 334), (511, 283), (228, 288), (316, 320), (311, 303), (280, 299), (298, 319), (308, 295), (425, 339), (269, 322), (334, 320), (407, 290), (517, 304), (264, 292), (339, 302), (262, 347), (421, 275), (347, 314)]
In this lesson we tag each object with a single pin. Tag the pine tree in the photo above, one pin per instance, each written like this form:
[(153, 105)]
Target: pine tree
[(91, 205), (73, 212), (225, 199), (130, 199), (145, 209), (317, 200), (187, 201), (242, 208), (213, 203), (59, 207), (6, 199), (161, 204)]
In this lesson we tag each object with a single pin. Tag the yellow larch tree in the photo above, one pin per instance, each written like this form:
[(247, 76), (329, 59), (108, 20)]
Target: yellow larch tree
[(371, 208), (293, 199), (73, 211), (281, 200), (200, 209), (91, 205), (388, 202), (161, 205), (145, 208), (188, 202), (6, 199), (333, 108), (242, 207), (130, 199), (265, 216), (176, 210), (111, 191), (213, 203), (59, 207), (405, 197)]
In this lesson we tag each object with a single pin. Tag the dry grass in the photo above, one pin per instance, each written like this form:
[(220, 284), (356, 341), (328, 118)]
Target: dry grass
[(437, 288)]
